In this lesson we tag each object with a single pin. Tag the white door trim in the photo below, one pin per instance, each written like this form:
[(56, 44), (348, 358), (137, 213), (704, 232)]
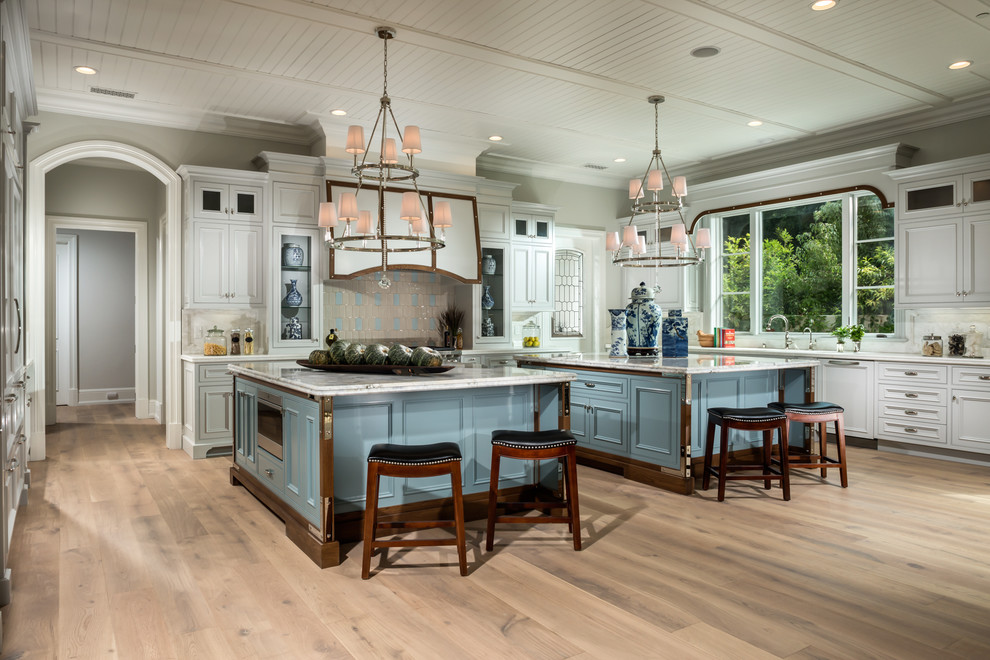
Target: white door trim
[(141, 341), (36, 291), (67, 319)]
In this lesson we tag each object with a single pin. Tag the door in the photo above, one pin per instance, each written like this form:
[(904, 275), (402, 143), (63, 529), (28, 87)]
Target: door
[(210, 263), (928, 270), (976, 247), (66, 338)]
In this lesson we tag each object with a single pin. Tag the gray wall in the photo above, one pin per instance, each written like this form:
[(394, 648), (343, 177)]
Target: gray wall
[(106, 309)]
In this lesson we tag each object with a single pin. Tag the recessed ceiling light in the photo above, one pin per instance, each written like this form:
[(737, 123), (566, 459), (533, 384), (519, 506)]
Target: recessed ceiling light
[(495, 138), (338, 113), (961, 64), (619, 160), (755, 122), (822, 5), (85, 70), (706, 51)]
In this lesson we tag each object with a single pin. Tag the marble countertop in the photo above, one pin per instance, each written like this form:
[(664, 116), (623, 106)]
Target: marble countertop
[(694, 363), (912, 358), (292, 376), (224, 359)]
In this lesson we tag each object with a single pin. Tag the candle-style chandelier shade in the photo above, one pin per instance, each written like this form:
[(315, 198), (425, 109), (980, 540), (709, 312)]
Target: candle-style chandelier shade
[(369, 233), (650, 195)]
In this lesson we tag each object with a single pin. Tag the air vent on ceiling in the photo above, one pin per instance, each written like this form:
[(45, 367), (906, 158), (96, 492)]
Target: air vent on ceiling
[(594, 166), (113, 92)]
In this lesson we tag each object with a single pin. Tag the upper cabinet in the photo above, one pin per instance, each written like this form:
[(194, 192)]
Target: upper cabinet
[(296, 204), (536, 227), (532, 257), (943, 233), (221, 201)]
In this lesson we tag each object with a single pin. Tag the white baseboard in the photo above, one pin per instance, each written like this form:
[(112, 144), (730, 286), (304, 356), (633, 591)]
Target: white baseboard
[(155, 410), (99, 396)]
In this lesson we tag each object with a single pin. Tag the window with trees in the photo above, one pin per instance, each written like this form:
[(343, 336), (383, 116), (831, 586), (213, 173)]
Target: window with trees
[(818, 262)]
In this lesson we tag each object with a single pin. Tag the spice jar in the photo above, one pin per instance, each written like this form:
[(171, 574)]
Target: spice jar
[(248, 342), (235, 341), (215, 342), (931, 346)]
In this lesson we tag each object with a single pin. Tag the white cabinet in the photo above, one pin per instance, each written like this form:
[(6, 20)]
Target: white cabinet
[(297, 290), (491, 315), (970, 406), (216, 200), (850, 384), (227, 263), (531, 284), (943, 233), (208, 410), (493, 220), (295, 204), (912, 402), (536, 227)]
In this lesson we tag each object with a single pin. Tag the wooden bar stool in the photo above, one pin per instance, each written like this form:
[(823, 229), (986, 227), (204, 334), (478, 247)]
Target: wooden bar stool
[(533, 446), (747, 419), (413, 461), (818, 413)]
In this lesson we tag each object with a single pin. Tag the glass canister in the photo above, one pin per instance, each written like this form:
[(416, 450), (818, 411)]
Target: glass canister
[(931, 346), (235, 341), (215, 342), (531, 334), (248, 342)]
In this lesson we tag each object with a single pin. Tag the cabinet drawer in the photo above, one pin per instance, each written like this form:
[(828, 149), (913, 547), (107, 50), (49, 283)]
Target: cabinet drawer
[(929, 395), (971, 376), (924, 433), (921, 412), (934, 373), (217, 372), (599, 385), (271, 472)]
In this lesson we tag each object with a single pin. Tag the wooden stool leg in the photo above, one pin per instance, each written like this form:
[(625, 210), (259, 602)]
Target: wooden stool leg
[(723, 462), (572, 496), (767, 455), (455, 487), (823, 451), (840, 440), (492, 498), (709, 448), (785, 472), (370, 519)]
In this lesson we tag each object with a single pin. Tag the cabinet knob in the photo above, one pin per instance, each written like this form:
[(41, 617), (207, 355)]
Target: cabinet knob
[(10, 398), (269, 473), (589, 384)]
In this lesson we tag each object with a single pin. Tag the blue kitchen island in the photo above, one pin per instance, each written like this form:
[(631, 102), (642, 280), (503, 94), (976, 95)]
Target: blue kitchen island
[(301, 440), (646, 416)]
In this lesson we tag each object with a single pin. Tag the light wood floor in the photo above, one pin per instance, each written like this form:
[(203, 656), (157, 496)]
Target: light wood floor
[(130, 550)]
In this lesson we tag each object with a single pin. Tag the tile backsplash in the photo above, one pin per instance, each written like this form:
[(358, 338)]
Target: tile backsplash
[(405, 312)]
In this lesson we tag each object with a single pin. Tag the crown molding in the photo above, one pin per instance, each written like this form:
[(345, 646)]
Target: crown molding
[(16, 35), (140, 112), (943, 168)]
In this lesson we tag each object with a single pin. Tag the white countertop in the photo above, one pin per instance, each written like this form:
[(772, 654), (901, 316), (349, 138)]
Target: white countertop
[(292, 376), (694, 363), (224, 359), (912, 358)]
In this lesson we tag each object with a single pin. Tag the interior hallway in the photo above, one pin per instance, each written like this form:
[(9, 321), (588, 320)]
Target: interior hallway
[(130, 550)]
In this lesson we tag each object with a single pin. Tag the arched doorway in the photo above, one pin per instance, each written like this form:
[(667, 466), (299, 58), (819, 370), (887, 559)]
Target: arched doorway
[(36, 311)]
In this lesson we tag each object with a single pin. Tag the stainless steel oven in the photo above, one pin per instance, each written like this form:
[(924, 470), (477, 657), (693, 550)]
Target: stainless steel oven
[(270, 423)]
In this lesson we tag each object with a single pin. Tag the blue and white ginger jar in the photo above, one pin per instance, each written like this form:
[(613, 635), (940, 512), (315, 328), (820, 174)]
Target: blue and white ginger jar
[(643, 322), (292, 255)]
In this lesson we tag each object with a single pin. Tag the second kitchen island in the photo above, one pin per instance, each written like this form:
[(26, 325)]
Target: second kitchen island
[(646, 416), (301, 439)]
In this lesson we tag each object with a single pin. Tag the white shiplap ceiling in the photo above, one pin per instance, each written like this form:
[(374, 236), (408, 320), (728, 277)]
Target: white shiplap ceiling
[(564, 81)]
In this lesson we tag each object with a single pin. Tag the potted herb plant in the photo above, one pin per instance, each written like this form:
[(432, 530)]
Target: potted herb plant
[(856, 333), (841, 334)]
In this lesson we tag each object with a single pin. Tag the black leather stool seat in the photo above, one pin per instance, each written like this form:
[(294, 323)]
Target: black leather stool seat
[(438, 452), (813, 408), (533, 439), (746, 414)]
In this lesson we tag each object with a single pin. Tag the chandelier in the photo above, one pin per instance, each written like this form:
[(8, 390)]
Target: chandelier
[(369, 232), (631, 249)]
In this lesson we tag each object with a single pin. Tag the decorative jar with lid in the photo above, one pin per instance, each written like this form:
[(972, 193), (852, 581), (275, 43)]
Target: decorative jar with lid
[(215, 342), (931, 346), (642, 322), (292, 255)]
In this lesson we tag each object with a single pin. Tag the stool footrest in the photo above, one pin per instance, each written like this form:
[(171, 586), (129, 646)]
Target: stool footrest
[(533, 505), (415, 524), (404, 543), (533, 519)]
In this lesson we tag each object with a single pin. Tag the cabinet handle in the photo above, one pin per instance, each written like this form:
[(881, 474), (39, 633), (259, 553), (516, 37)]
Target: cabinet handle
[(984, 377), (19, 383), (10, 398), (13, 465), (269, 473), (910, 429), (844, 362), (958, 293), (911, 395), (910, 412), (589, 384), (910, 373)]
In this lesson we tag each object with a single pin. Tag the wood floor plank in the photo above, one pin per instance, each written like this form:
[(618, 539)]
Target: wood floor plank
[(127, 549)]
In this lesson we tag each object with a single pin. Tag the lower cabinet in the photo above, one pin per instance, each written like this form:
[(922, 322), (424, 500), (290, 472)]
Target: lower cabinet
[(208, 410), (850, 384), (655, 421), (246, 429), (301, 455), (912, 403), (970, 406)]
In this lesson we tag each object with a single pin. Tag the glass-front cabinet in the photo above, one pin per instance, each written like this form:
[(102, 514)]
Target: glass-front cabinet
[(297, 298), (494, 317)]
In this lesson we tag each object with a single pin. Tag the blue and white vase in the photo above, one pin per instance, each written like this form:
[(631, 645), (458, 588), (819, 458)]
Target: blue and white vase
[(618, 346), (292, 255), (643, 322), (674, 342), (293, 329), (488, 265), (487, 302), (293, 298)]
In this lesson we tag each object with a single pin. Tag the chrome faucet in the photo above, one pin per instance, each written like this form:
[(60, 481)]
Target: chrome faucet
[(787, 335), (811, 339)]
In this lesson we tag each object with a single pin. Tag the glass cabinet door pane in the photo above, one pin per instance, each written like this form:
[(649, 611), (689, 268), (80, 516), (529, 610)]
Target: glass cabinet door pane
[(493, 317), (542, 229), (980, 190), (211, 200), (245, 203), (522, 227), (931, 198), (296, 279)]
